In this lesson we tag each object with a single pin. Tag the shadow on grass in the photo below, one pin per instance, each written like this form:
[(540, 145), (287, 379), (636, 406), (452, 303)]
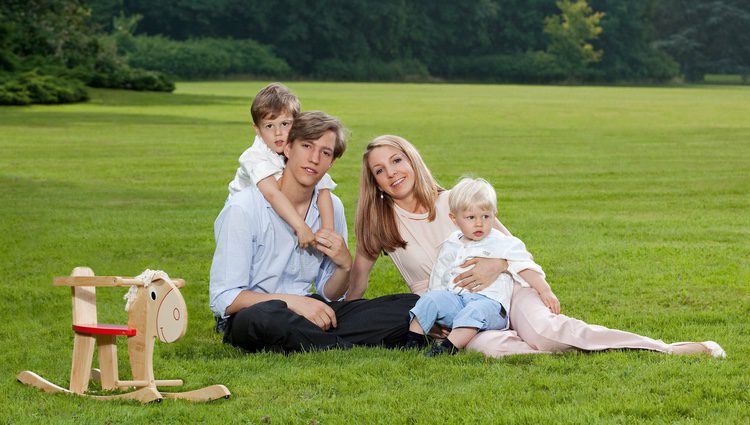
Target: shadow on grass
[(133, 98), (61, 118)]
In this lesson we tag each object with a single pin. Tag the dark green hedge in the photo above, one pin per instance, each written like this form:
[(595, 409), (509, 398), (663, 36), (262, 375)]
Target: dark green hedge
[(205, 58), (371, 70), (529, 67), (32, 87)]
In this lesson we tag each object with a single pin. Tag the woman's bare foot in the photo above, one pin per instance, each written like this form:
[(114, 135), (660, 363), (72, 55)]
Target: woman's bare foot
[(708, 348)]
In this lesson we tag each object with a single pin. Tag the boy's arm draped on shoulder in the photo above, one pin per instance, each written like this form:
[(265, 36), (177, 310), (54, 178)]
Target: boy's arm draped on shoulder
[(325, 207), (269, 187)]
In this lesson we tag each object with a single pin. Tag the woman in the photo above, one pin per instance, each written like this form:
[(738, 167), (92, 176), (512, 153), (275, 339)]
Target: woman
[(403, 212)]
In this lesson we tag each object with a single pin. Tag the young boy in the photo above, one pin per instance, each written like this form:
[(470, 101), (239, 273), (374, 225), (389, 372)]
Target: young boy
[(473, 206), (273, 110)]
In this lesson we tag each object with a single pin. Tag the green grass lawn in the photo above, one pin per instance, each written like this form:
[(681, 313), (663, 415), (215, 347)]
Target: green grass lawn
[(636, 201)]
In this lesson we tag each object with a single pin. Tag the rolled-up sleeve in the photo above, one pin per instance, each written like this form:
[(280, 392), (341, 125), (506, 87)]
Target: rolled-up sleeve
[(232, 263), (327, 267), (258, 166), (326, 183), (513, 250)]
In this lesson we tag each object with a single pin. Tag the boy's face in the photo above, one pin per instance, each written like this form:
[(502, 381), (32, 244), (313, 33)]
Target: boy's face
[(275, 132), (475, 222)]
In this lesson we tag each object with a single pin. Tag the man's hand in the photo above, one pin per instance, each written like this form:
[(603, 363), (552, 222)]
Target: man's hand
[(332, 244), (481, 274), (313, 310)]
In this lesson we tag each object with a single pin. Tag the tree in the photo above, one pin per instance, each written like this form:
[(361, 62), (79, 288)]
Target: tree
[(706, 37), (570, 33), (627, 42)]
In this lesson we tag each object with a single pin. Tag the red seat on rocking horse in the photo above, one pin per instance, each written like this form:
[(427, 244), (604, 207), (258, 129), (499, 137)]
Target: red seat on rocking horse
[(119, 330), (157, 311)]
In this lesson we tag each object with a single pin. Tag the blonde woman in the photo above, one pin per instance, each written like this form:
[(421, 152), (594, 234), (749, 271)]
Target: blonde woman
[(402, 211)]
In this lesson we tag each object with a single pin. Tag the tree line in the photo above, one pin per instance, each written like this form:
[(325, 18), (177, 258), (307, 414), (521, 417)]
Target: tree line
[(639, 40), (50, 49)]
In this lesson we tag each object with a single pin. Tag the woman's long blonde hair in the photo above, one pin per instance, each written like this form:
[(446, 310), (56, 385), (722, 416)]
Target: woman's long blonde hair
[(375, 224)]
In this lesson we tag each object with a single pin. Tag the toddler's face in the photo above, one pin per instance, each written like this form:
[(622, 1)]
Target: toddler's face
[(275, 132), (475, 222)]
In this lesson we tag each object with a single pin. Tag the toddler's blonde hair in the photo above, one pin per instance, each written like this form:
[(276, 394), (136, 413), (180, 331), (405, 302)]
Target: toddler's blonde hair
[(472, 192)]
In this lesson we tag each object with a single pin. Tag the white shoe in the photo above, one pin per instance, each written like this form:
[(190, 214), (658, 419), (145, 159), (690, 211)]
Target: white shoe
[(715, 349), (708, 347)]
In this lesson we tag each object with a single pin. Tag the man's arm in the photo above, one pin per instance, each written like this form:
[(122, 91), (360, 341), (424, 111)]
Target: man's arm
[(311, 309), (229, 286), (333, 246), (333, 277)]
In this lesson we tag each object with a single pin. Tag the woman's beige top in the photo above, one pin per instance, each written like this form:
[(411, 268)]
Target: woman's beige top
[(423, 239)]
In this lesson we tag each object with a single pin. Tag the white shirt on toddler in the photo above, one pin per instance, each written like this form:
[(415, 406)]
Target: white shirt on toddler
[(454, 252)]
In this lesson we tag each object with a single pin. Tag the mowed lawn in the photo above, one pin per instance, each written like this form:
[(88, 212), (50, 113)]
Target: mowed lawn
[(636, 201)]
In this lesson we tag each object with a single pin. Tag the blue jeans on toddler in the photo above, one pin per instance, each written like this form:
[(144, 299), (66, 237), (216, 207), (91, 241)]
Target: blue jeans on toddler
[(466, 310)]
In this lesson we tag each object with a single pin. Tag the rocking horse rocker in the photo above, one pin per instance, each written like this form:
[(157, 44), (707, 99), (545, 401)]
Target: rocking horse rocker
[(157, 310)]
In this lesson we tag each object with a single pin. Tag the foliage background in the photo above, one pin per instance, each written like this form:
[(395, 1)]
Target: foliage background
[(640, 39), (50, 49)]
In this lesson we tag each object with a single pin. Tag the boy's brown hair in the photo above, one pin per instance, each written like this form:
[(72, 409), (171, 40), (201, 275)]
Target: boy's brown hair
[(311, 125), (272, 101)]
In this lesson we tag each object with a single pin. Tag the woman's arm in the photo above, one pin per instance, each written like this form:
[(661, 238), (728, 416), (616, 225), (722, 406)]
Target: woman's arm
[(536, 281), (483, 274), (359, 276)]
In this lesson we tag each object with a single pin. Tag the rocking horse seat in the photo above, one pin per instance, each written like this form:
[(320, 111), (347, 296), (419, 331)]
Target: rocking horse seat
[(102, 329)]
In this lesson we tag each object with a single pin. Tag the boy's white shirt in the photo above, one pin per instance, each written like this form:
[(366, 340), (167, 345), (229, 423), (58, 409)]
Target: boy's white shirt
[(258, 162), (454, 252)]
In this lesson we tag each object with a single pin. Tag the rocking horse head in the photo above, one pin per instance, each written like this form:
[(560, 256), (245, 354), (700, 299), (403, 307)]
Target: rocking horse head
[(167, 311)]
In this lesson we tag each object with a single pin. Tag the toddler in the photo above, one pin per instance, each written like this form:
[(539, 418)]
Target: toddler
[(473, 206)]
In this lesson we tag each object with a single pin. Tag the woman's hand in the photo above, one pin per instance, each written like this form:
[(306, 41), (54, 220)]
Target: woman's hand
[(550, 300), (481, 274)]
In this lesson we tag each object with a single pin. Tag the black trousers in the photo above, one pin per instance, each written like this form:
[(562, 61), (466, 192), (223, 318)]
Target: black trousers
[(271, 326)]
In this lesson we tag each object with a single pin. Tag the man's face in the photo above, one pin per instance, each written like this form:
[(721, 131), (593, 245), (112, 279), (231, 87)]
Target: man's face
[(309, 160)]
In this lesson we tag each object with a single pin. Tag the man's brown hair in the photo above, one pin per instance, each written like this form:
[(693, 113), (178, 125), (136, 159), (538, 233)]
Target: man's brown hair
[(311, 125)]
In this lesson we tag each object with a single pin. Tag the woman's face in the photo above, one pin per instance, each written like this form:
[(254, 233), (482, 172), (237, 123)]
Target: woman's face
[(392, 171)]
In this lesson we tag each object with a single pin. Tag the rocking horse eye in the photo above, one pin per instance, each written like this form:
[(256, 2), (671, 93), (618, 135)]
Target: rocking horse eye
[(153, 295)]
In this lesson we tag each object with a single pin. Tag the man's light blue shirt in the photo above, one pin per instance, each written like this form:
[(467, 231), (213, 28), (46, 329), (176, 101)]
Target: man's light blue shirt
[(256, 250)]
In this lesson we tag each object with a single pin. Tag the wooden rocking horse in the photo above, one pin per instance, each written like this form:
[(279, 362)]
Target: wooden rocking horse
[(157, 311)]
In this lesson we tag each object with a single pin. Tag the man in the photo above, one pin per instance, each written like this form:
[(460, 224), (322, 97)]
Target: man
[(261, 281)]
